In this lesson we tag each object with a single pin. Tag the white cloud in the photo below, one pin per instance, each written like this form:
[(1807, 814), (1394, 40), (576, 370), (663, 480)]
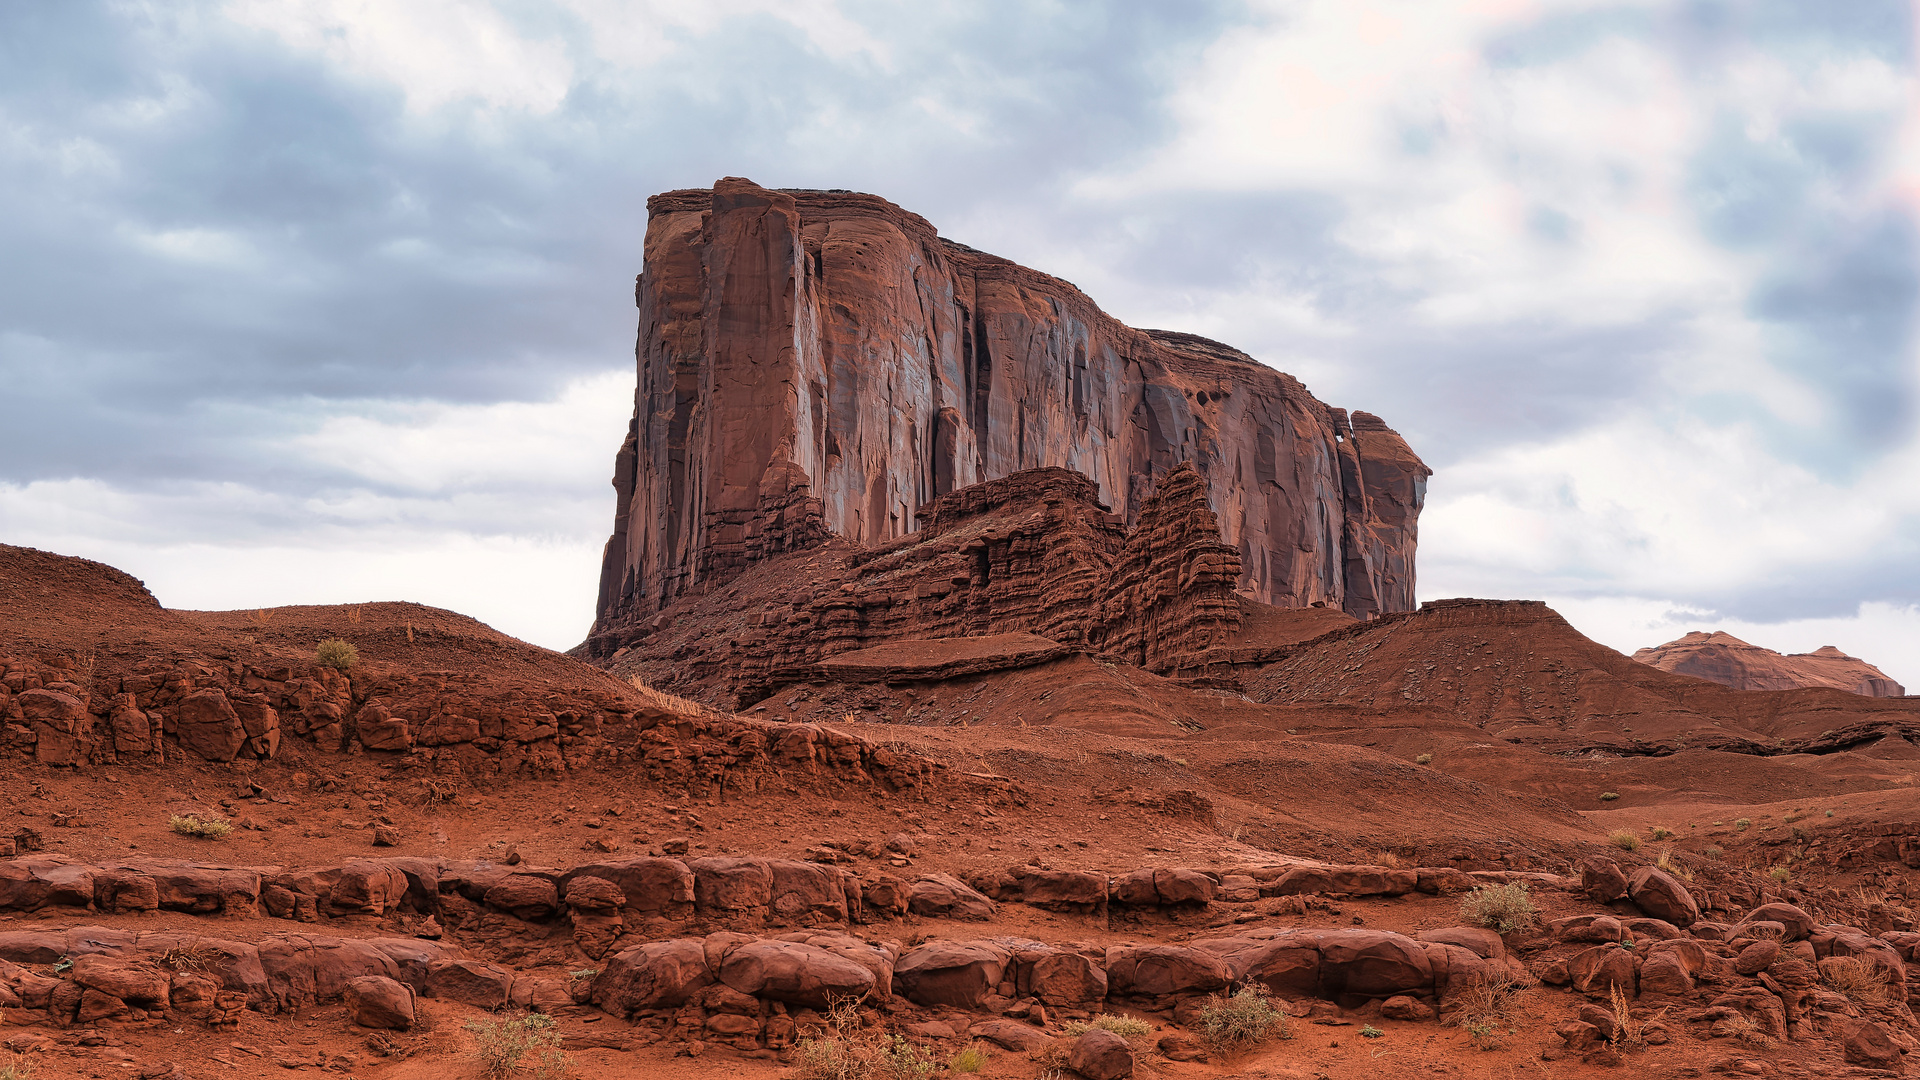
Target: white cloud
[(436, 51)]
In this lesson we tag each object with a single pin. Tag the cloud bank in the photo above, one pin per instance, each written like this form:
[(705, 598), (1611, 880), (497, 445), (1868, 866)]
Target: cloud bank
[(327, 300)]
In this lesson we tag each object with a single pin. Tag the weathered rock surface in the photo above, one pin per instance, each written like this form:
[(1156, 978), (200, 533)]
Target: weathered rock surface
[(816, 363), (1720, 657)]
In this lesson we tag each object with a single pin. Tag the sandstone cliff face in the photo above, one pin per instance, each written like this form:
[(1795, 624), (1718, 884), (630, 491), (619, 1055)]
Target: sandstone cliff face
[(822, 362), (1725, 659)]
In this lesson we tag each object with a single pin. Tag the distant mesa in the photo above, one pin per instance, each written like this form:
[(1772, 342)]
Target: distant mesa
[(822, 364), (1720, 657)]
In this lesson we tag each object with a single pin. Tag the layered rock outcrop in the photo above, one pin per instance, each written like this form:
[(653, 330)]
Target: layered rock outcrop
[(1720, 657), (816, 363)]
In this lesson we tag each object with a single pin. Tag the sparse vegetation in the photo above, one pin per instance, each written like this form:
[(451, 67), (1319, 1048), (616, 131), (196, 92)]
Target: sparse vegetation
[(1742, 824), (1713, 851), (1624, 840), (845, 1049), (1485, 1010), (188, 958), (1671, 865), (336, 654), (1629, 1031), (1661, 832), (1863, 983), (1779, 873), (1743, 1028), (1129, 1028), (15, 1066), (1368, 1031), (1244, 1020), (207, 828), (1609, 796), (1423, 759), (1500, 908), (672, 703), (971, 1059), (529, 1045), (1829, 813)]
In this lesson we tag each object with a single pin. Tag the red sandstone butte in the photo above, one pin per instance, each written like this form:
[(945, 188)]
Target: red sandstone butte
[(1720, 657), (816, 363)]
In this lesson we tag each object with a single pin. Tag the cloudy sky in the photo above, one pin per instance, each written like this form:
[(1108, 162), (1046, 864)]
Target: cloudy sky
[(331, 300)]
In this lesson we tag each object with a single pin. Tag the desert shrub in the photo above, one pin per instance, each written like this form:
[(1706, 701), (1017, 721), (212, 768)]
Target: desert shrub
[(1500, 908), (1713, 851), (528, 1045), (1829, 813), (1629, 1031), (1742, 824), (1780, 873), (971, 1059), (847, 1050), (1609, 796), (1624, 840), (1423, 759), (1661, 832), (1483, 1008), (195, 957), (1673, 866), (1743, 1028), (15, 1066), (1244, 1020), (336, 654), (1861, 982), (1127, 1027), (207, 828), (1368, 1031)]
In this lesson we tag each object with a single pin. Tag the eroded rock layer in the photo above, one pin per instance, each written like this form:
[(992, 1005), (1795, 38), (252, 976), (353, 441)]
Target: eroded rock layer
[(1720, 657), (822, 362)]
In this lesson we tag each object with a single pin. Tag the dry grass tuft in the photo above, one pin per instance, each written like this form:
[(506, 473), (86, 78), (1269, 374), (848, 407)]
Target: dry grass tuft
[(1624, 839), (1629, 1031), (15, 1066), (845, 1049), (207, 828), (1500, 908), (1673, 866), (1242, 1021), (1485, 1008), (1863, 983), (1129, 1028), (1745, 1029), (673, 703), (529, 1045)]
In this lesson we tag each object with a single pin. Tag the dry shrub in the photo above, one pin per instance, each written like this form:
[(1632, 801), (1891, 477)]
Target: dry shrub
[(336, 654), (528, 1045), (194, 957), (1129, 1028), (1624, 840), (846, 1050), (1242, 1021), (1863, 983), (971, 1059), (1745, 1029), (1630, 1032), (1673, 866), (15, 1066), (1500, 908), (672, 703), (208, 828), (1484, 1007)]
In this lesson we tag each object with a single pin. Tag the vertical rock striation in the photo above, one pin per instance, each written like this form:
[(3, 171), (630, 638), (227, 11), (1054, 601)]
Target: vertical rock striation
[(822, 362)]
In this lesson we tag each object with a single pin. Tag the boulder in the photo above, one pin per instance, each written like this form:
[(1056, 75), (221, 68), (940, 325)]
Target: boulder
[(1135, 889), (205, 890), (470, 982), (884, 896), (956, 973), (1349, 880), (1179, 885), (377, 1002), (302, 970), (133, 981), (876, 958), (1157, 971), (594, 894), (526, 896), (1662, 896), (1065, 980), (1796, 922), (656, 975), (124, 890), (208, 726), (795, 973), (1664, 974), (1602, 880), (1756, 957), (1484, 943), (366, 887), (1099, 1054), (1011, 1035), (651, 886), (806, 894), (1867, 1044), (1599, 969), (1061, 890), (730, 886), (1371, 963), (1402, 1007), (945, 895)]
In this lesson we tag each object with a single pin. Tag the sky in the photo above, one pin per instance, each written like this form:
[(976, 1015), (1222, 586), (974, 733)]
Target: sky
[(320, 301)]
